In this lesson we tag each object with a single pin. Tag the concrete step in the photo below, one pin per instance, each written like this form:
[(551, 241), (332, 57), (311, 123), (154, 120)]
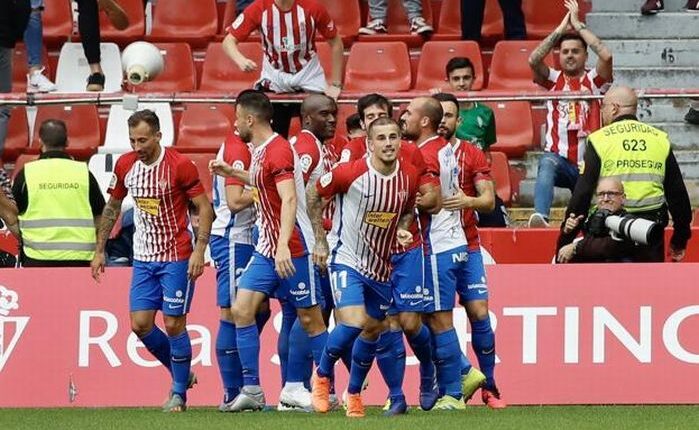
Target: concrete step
[(657, 77), (615, 25), (652, 53), (662, 110), (633, 5), (682, 135)]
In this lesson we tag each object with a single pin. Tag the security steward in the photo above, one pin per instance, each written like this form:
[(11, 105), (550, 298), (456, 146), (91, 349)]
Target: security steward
[(641, 157), (59, 204)]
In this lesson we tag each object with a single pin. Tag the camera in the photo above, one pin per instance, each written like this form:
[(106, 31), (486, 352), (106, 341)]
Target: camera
[(625, 226)]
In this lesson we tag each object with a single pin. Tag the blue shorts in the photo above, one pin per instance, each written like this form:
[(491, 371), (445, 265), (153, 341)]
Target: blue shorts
[(161, 286), (444, 272), (350, 288), (302, 289), (407, 280), (475, 287), (229, 257), (326, 290)]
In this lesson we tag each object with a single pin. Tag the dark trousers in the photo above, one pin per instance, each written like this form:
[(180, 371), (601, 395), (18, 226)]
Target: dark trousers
[(89, 27), (283, 113), (472, 19)]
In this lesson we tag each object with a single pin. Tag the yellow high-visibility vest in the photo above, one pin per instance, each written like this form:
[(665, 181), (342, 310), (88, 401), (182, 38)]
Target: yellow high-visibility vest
[(58, 224), (636, 154)]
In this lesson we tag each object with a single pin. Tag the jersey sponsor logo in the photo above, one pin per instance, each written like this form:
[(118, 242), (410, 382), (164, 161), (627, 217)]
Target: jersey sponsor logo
[(326, 179), (11, 327), (379, 219), (639, 164), (148, 205), (459, 257), (305, 161), (238, 21), (255, 195)]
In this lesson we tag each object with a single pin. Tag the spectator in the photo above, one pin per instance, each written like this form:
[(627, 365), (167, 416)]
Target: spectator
[(651, 7), (14, 15), (287, 66), (354, 126), (598, 244), (472, 19), (37, 82), (641, 155), (59, 204), (8, 207), (378, 10), (569, 122), (692, 116)]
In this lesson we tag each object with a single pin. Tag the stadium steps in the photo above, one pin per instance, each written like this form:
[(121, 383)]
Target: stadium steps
[(632, 5)]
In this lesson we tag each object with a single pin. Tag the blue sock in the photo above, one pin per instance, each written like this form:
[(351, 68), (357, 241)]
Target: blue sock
[(181, 360), (248, 341), (288, 318), (299, 353), (158, 344), (421, 344), (339, 340), (228, 360), (346, 358), (261, 319), (390, 357), (483, 343), (363, 354), (465, 364), (448, 362), (318, 343)]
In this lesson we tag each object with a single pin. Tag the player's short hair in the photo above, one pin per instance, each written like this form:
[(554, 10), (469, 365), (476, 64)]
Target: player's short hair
[(147, 116), (432, 109), (371, 100), (257, 103), (384, 120), (53, 133), (446, 98), (352, 122), (460, 63), (572, 36)]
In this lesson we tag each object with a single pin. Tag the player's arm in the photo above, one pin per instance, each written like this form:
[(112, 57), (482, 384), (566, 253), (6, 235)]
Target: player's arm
[(286, 189), (604, 54), (403, 234), (315, 205), (536, 59), (220, 167), (110, 214), (8, 213), (206, 218), (485, 202), (429, 198), (337, 51), (244, 24), (238, 198)]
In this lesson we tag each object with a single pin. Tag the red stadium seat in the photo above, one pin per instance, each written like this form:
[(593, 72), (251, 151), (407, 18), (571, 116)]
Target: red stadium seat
[(449, 27), (500, 171), (20, 68), (509, 69), (178, 75), (203, 127), (378, 66), (431, 71), (21, 161), (226, 15), (325, 57), (493, 27), (347, 18), (183, 21), (137, 24), (83, 126), (513, 123), (17, 139), (542, 17), (57, 20), (398, 25), (221, 74), (201, 160)]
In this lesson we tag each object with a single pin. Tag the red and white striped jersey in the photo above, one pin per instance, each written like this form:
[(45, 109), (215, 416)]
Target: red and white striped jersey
[(568, 122), (473, 167), (235, 227), (161, 193), (288, 37), (368, 206), (272, 162), (442, 231)]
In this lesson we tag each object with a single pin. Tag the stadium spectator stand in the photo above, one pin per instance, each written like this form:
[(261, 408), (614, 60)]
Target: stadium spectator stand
[(82, 122), (57, 20), (183, 21), (178, 75), (431, 71), (514, 129), (72, 70), (137, 24), (203, 127), (17, 140), (347, 17), (117, 135), (500, 171), (20, 69), (201, 160), (365, 59), (509, 68), (220, 74), (325, 58), (398, 26)]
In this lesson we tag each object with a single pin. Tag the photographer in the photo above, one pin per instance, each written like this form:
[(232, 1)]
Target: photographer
[(598, 244)]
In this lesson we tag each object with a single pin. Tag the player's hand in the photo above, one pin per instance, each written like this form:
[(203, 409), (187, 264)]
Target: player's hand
[(282, 262), (333, 91), (676, 255), (246, 65), (320, 254), (572, 6), (572, 223), (97, 265), (457, 202), (435, 90), (196, 265), (566, 253), (563, 26), (220, 167), (404, 237)]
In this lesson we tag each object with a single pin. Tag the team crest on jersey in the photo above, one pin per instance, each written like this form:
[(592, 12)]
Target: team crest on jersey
[(238, 21), (148, 205), (162, 184), (402, 195), (326, 179), (238, 165), (11, 327), (113, 181), (305, 161), (379, 219)]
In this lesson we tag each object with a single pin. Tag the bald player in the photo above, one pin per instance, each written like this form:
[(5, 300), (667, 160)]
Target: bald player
[(641, 156)]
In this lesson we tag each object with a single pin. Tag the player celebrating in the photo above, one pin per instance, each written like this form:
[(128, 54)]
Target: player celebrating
[(374, 199), (281, 264), (161, 182), (476, 194)]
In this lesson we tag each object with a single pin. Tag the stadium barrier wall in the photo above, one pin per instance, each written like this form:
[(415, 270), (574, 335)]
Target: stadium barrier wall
[(575, 334)]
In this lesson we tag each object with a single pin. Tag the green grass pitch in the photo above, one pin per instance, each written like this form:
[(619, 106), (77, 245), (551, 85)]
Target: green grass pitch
[(522, 417)]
